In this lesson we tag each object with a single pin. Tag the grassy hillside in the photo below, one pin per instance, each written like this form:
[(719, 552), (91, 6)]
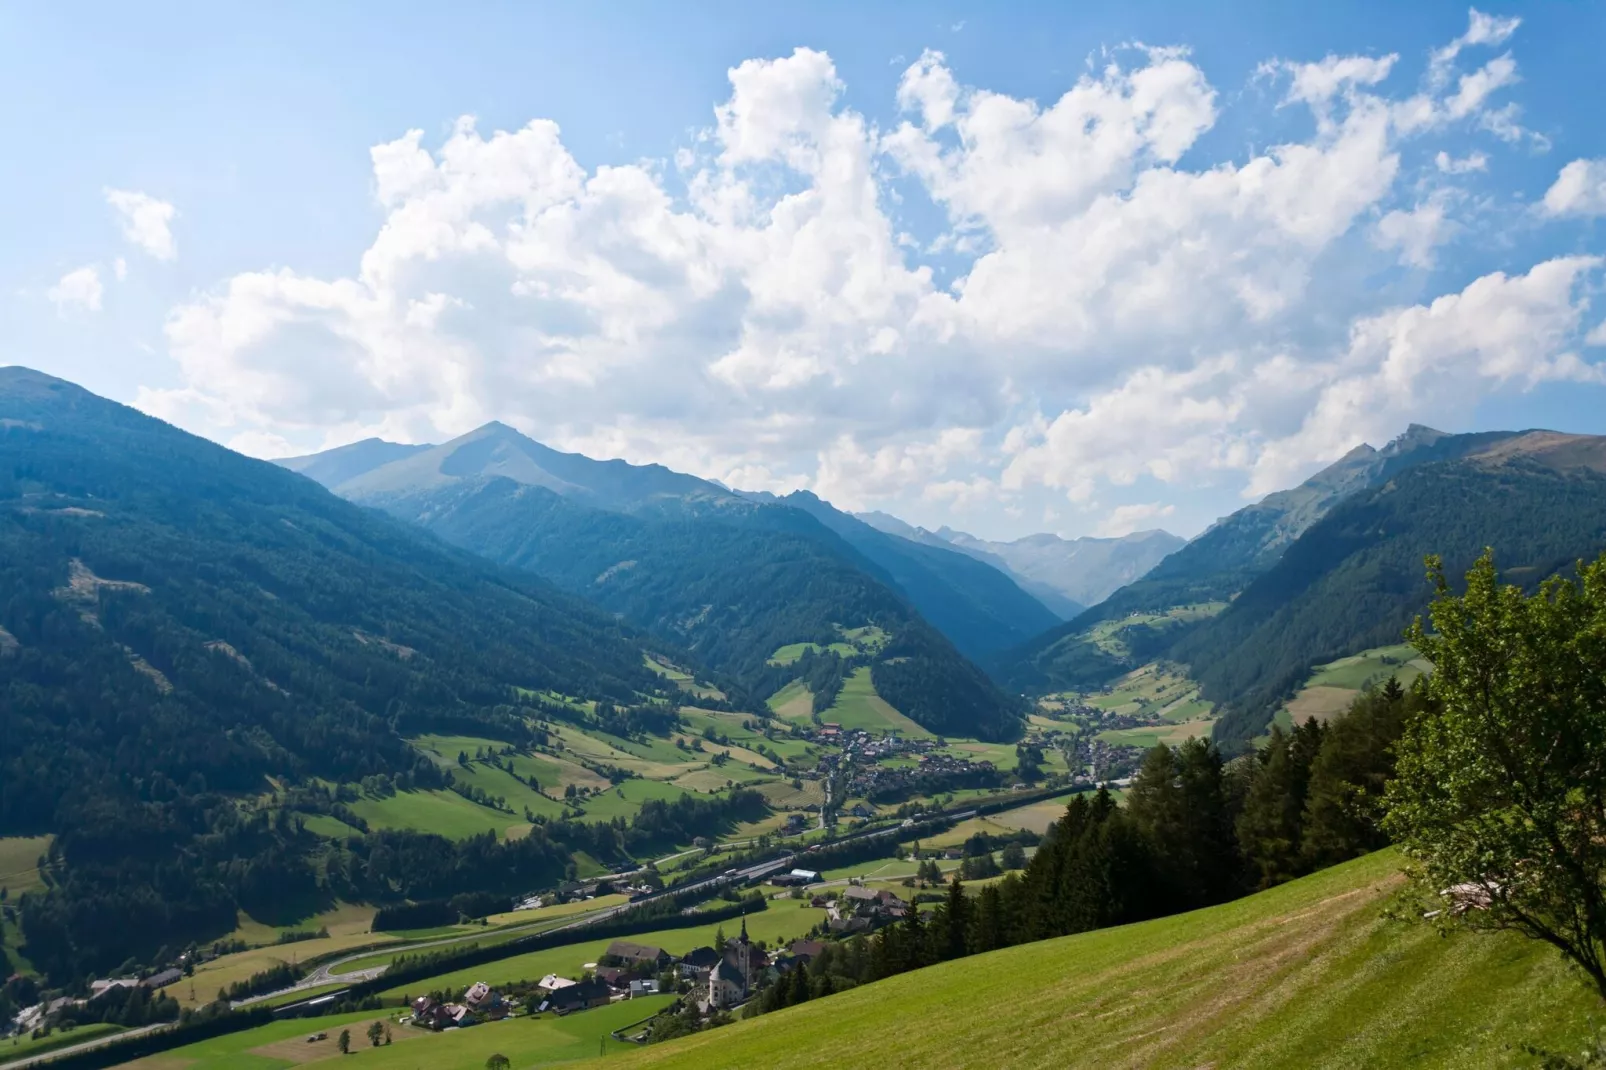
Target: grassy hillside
[(1306, 975), (1332, 687)]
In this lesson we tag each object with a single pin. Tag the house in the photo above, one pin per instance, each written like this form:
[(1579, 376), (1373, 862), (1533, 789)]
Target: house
[(643, 988), (696, 963), (552, 982), (612, 976), (806, 950), (484, 1001), (861, 810), (97, 988), (163, 979), (633, 954), (577, 997)]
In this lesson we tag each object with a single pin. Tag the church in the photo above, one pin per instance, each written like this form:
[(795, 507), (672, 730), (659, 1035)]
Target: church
[(736, 974)]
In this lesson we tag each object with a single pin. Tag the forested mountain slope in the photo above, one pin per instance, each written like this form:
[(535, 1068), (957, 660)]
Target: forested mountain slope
[(729, 578), (979, 608), (1355, 579), (178, 623), (970, 601), (1216, 565)]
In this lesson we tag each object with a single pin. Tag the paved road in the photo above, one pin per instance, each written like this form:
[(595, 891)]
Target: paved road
[(88, 1045)]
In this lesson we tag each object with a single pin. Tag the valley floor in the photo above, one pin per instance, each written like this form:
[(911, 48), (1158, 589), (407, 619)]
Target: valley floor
[(1311, 974)]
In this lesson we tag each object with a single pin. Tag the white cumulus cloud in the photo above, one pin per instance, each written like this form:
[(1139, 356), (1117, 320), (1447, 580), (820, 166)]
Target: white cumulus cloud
[(1103, 312), (146, 221), (1580, 190), (79, 288), (1125, 519)]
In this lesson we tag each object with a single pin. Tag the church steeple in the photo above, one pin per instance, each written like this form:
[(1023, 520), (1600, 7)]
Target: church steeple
[(744, 929)]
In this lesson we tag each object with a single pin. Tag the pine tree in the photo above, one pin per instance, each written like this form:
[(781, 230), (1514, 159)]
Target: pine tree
[(1268, 828), (1343, 806)]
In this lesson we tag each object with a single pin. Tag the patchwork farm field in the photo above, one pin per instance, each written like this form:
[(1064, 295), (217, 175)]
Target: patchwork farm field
[(1309, 974), (1331, 688)]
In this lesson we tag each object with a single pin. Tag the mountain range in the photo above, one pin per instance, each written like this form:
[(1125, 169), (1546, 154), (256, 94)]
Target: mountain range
[(182, 627), (1067, 575), (732, 578), (1332, 566)]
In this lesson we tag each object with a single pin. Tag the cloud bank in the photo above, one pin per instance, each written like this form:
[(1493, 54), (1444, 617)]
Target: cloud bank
[(1102, 315)]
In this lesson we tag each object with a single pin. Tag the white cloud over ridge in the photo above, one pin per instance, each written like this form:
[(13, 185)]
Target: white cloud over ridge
[(757, 313)]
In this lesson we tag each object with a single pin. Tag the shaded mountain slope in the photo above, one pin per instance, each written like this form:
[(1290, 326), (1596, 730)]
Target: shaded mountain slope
[(730, 579), (1355, 579), (1215, 567), (184, 623)]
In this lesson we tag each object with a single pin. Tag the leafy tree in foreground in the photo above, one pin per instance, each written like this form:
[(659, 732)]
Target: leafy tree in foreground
[(1500, 791), (344, 1041)]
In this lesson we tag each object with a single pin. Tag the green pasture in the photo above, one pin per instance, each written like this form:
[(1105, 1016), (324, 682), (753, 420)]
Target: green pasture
[(1307, 975)]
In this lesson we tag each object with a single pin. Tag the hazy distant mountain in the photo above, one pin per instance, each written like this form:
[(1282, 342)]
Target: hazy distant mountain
[(348, 462), (1068, 575), (498, 450), (729, 576)]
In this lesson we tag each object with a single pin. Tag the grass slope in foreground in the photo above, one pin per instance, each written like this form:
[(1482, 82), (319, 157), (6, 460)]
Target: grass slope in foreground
[(1306, 975)]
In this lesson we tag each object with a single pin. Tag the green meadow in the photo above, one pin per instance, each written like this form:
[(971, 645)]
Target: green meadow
[(1311, 974), (527, 1042), (858, 706), (785, 920)]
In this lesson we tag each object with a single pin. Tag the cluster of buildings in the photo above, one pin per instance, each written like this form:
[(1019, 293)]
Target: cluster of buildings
[(932, 772), (480, 1003), (859, 909)]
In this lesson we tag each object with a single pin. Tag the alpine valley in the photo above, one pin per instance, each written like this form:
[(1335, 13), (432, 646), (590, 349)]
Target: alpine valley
[(384, 733)]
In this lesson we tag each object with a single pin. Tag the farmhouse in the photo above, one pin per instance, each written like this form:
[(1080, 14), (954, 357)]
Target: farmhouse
[(632, 954), (163, 979), (577, 997), (552, 982)]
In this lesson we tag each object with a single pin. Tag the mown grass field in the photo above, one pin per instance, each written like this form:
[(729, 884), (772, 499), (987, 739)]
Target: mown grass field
[(527, 1042), (444, 812), (794, 702), (1331, 688), (1170, 734), (858, 706), (791, 653), (13, 1048), (784, 920), (348, 926), (1306, 975), (19, 863)]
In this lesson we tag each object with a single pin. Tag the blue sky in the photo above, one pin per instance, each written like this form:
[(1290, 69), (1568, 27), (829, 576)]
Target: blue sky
[(1080, 268)]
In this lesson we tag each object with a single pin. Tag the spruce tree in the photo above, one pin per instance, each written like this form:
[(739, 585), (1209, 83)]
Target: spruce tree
[(1268, 828)]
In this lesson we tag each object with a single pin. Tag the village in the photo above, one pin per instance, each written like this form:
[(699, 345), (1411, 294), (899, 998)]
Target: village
[(709, 979)]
